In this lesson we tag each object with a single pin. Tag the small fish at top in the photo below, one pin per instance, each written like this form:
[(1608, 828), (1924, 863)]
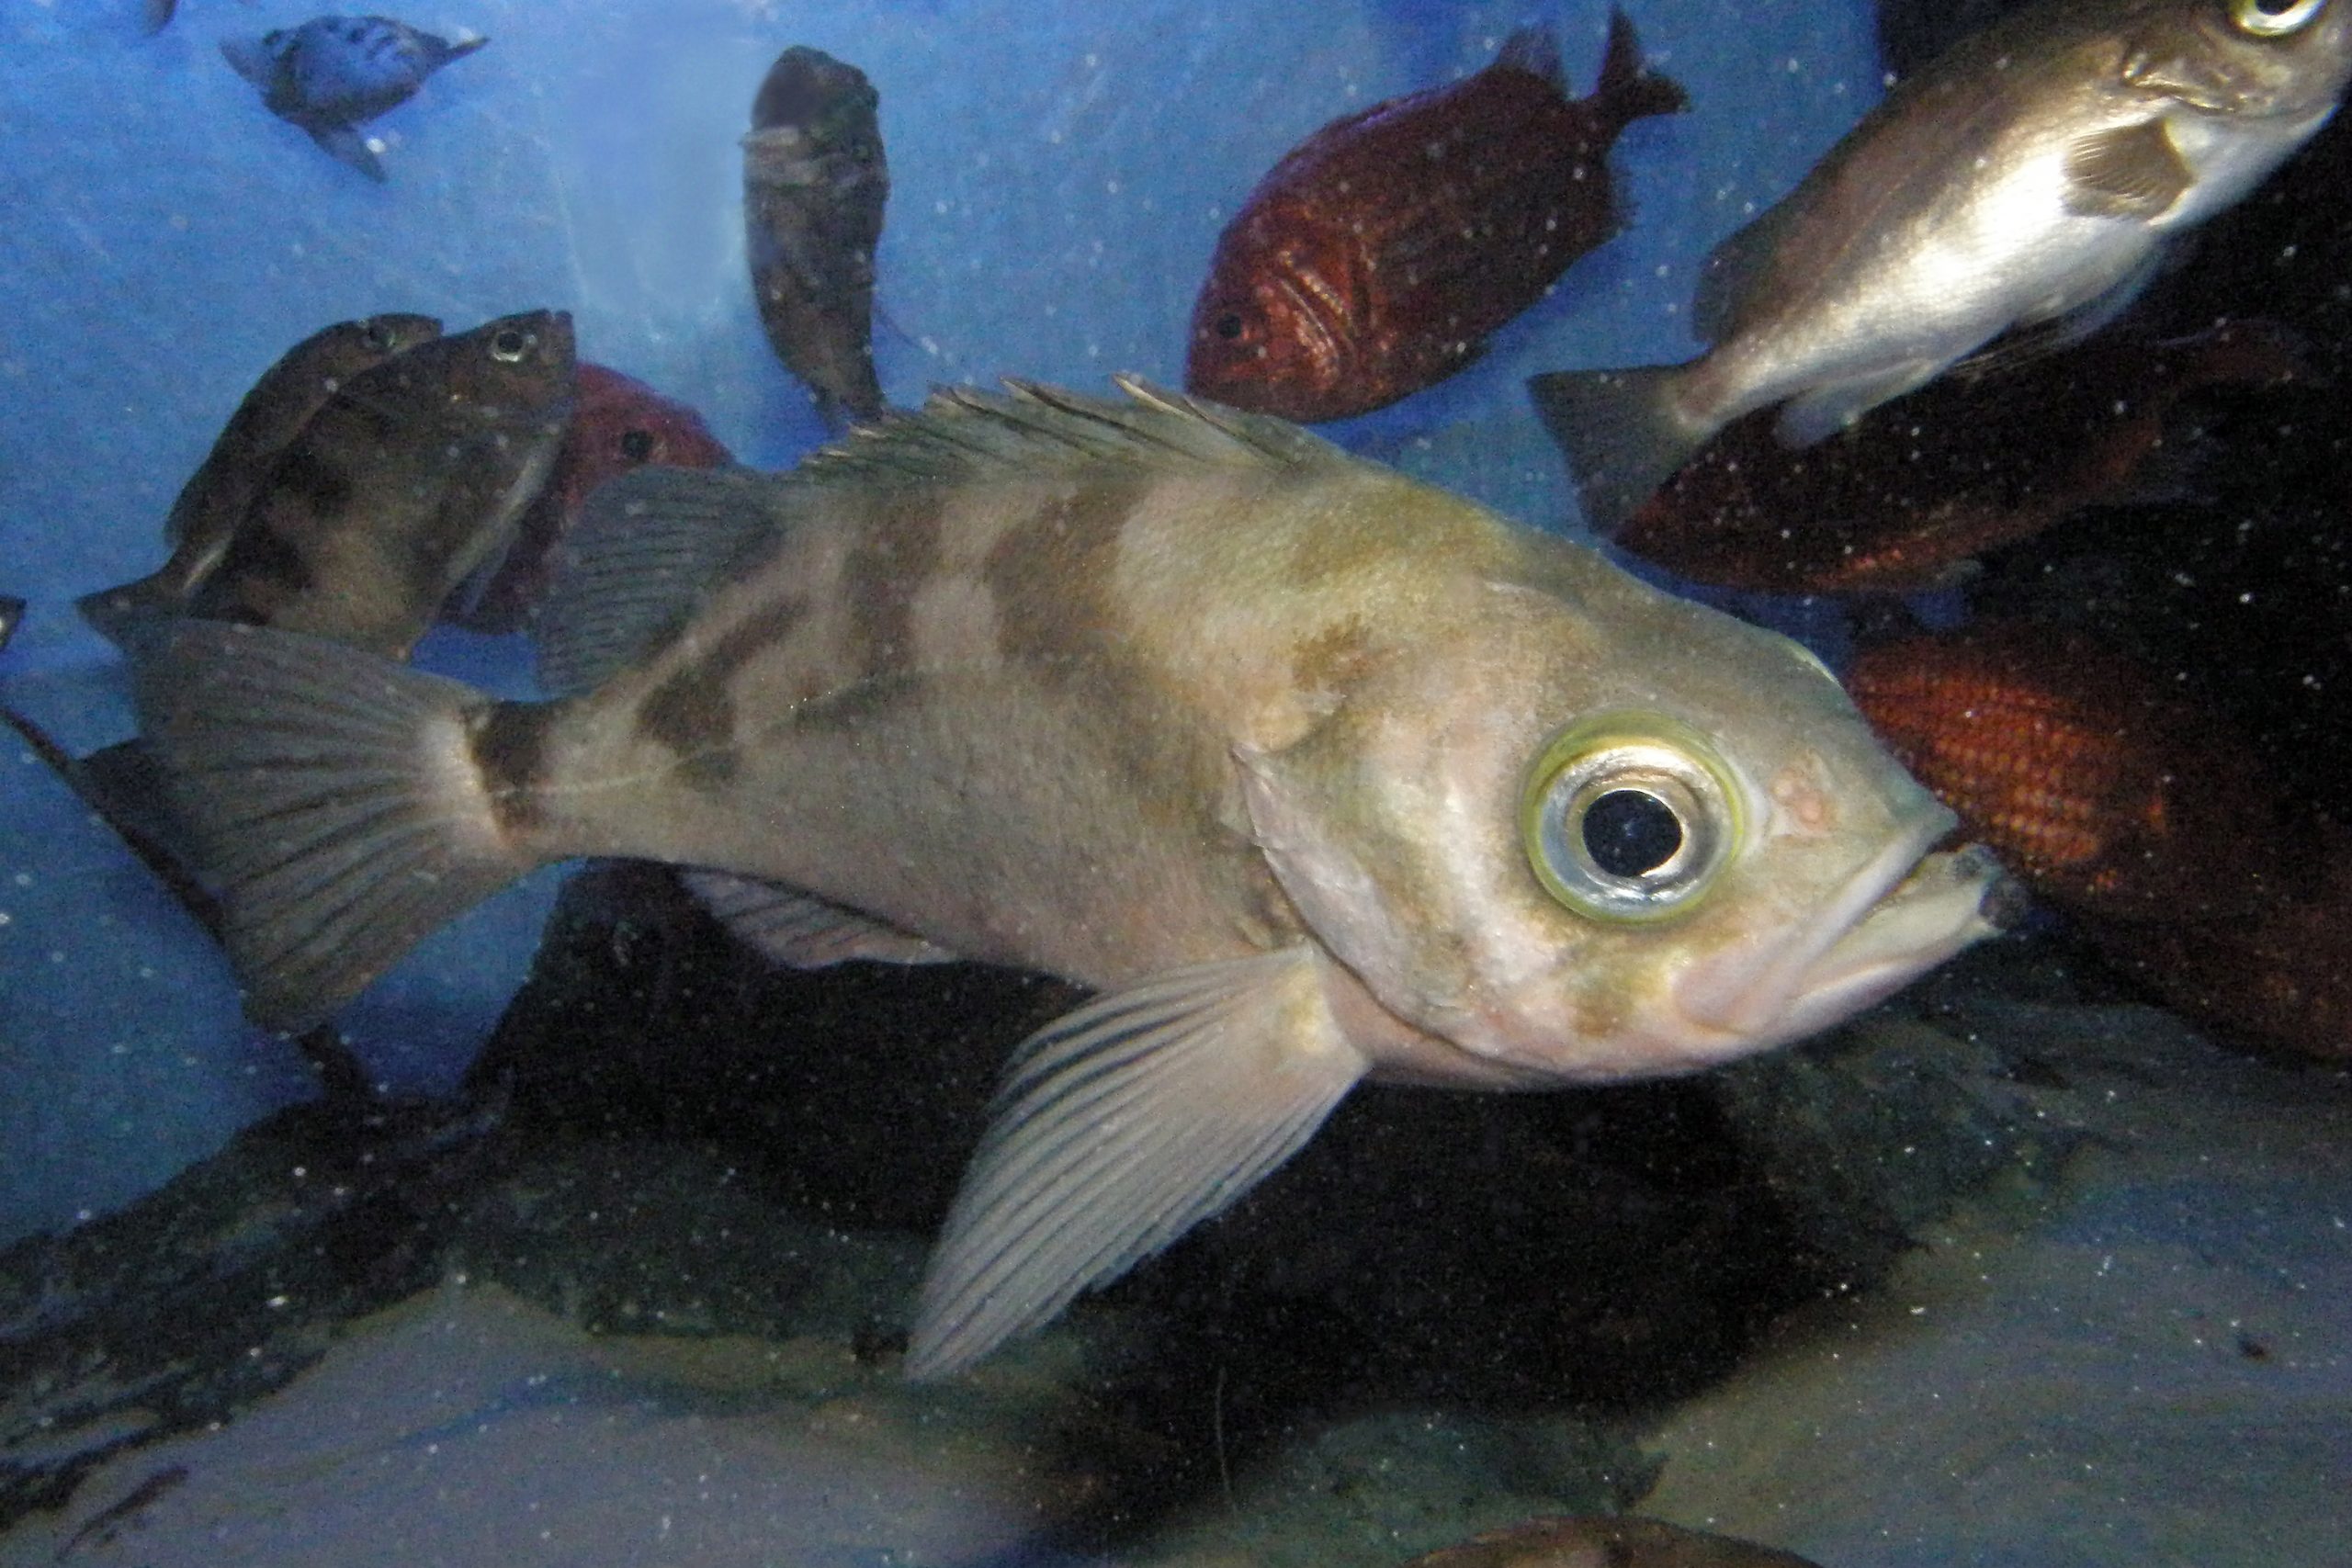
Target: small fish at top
[(155, 15), (1606, 1540), (211, 506), (1914, 493), (2030, 178), (1314, 772), (814, 185), (12, 613), (1380, 254), (617, 423), (333, 74), (411, 477)]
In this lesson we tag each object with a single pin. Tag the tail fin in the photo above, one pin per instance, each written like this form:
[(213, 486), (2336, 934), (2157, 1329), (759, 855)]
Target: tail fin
[(1628, 89), (1620, 434), (333, 800)]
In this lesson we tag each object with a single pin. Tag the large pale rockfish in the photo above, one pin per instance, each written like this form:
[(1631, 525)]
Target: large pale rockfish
[(2032, 175), (1314, 772)]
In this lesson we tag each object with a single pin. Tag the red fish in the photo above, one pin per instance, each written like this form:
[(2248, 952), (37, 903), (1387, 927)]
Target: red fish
[(2108, 789), (1905, 498), (618, 424), (1378, 256)]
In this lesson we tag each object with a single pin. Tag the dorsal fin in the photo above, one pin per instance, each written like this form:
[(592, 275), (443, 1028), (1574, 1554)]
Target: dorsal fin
[(1731, 268), (963, 433), (1533, 49), (648, 546)]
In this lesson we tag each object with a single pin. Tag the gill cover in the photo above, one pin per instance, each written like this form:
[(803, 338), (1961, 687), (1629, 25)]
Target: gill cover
[(1630, 816)]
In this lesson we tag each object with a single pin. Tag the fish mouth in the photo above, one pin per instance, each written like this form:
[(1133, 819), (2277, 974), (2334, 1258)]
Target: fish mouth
[(1901, 915)]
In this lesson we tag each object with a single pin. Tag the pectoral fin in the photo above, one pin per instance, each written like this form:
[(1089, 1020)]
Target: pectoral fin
[(1121, 1127), (346, 144), (2132, 171)]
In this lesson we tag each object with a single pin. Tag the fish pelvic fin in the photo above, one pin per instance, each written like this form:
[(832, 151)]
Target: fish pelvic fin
[(1121, 1127), (1628, 89), (348, 144), (340, 805), (1620, 434), (125, 613)]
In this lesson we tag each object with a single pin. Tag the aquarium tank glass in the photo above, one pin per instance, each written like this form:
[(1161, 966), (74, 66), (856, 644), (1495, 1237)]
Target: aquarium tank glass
[(935, 784)]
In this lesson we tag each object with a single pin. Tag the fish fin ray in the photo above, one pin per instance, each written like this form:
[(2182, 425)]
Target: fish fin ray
[(1731, 271), (2128, 170), (802, 930), (1825, 410), (250, 57), (963, 434), (1629, 90), (1118, 1129), (328, 796), (1619, 433), (346, 144), (647, 547)]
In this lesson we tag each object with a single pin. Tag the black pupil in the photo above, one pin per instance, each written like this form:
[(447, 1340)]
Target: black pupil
[(508, 344), (1229, 326), (636, 444), (1631, 832)]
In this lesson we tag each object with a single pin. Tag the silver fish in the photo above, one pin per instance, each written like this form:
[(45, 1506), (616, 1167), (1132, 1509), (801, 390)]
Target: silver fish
[(333, 74), (1316, 774), (410, 478), (12, 611), (2030, 175), (205, 517), (815, 181)]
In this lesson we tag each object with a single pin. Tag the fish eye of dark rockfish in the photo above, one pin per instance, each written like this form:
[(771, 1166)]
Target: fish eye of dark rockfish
[(1229, 326), (509, 346), (636, 445), (1628, 818), (2275, 18)]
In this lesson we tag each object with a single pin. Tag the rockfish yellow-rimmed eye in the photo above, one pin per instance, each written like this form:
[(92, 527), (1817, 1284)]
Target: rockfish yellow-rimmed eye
[(2274, 18), (1629, 817)]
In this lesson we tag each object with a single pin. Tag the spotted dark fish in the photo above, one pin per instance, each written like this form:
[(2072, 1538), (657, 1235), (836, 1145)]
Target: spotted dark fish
[(406, 482), (211, 506), (2031, 177), (333, 74), (1380, 254), (1314, 772), (814, 186)]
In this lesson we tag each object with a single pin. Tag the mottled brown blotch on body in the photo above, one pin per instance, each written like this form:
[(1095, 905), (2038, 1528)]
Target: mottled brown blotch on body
[(692, 713), (896, 555), (509, 745)]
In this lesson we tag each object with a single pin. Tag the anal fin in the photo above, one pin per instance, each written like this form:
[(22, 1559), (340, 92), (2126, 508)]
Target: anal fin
[(803, 931)]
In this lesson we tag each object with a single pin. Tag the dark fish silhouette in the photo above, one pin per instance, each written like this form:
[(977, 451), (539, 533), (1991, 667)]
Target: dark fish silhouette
[(1606, 1540), (205, 518), (12, 611), (1381, 253), (1909, 497), (408, 480), (155, 15), (333, 74), (617, 423), (2030, 178), (814, 186)]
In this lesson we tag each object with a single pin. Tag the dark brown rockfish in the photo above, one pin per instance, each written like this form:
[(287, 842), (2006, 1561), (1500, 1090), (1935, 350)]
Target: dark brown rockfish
[(212, 503), (814, 186), (1382, 251)]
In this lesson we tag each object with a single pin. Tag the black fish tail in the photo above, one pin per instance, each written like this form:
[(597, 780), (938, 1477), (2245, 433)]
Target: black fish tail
[(1628, 89), (342, 806), (1620, 432)]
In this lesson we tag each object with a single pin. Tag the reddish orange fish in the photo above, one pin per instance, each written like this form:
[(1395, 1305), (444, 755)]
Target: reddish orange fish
[(618, 424), (2104, 786), (1921, 487), (1378, 256)]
